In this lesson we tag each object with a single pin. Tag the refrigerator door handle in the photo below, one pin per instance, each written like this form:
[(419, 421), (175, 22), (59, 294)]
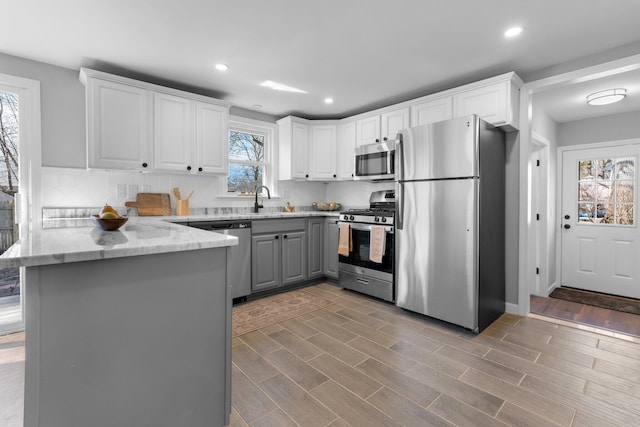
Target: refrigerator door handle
[(399, 205), (399, 157), (399, 181)]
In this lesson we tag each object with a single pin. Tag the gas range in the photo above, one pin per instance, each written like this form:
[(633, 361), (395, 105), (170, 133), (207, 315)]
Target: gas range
[(381, 210)]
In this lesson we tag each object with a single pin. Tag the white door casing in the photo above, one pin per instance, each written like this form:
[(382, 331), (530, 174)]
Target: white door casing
[(600, 238)]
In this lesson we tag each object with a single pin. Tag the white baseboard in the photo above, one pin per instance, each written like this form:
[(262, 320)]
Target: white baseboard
[(552, 287), (511, 308)]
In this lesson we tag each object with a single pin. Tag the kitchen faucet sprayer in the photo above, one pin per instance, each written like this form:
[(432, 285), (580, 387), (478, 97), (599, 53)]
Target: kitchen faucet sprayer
[(257, 206)]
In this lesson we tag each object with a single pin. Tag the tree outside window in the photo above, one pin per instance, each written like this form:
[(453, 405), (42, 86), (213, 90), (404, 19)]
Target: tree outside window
[(246, 162), (9, 143)]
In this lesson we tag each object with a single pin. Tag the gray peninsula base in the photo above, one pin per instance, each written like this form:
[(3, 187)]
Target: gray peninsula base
[(134, 341)]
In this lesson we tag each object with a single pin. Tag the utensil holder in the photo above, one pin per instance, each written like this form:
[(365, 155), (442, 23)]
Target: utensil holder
[(182, 208)]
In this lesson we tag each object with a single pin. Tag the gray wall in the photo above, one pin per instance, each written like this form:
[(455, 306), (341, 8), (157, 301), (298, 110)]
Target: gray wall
[(62, 110), (600, 129)]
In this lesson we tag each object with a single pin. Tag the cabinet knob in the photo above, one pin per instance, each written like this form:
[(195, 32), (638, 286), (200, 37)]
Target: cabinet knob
[(384, 139), (199, 169), (306, 176), (144, 165), (567, 226), (377, 139), (351, 175), (277, 237), (284, 236), (567, 217), (188, 168), (335, 176)]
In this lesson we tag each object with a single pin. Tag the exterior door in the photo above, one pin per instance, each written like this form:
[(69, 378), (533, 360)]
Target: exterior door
[(19, 179), (600, 237)]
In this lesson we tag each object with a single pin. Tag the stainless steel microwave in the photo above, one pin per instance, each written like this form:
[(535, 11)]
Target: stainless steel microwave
[(375, 162)]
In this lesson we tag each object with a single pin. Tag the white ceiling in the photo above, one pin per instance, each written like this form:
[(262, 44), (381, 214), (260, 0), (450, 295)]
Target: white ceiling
[(363, 53), (569, 103)]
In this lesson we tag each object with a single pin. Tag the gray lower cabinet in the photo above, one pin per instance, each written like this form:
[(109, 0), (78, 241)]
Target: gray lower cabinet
[(294, 261), (331, 236), (266, 252), (278, 253), (315, 233)]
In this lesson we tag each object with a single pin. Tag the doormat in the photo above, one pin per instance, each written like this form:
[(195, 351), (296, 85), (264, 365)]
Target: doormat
[(268, 311), (612, 302)]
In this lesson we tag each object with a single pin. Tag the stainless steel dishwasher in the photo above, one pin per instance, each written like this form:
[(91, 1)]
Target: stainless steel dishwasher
[(239, 263)]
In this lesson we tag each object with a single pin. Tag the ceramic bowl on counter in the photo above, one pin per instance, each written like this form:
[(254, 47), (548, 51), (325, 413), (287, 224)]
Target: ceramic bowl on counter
[(331, 206), (109, 224)]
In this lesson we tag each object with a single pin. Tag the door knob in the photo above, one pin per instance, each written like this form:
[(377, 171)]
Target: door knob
[(567, 217), (567, 226)]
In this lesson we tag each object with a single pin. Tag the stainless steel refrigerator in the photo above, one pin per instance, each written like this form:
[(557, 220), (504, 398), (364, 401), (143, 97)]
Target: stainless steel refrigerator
[(450, 221)]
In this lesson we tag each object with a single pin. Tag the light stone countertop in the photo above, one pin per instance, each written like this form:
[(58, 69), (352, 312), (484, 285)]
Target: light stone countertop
[(139, 236), (74, 240)]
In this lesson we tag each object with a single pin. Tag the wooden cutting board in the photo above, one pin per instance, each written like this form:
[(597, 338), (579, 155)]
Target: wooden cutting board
[(151, 204)]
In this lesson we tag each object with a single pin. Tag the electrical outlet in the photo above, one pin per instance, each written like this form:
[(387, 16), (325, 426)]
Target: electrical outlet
[(132, 191), (121, 191)]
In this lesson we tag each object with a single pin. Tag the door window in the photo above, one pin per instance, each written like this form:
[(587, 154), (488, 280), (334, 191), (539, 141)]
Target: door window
[(606, 191)]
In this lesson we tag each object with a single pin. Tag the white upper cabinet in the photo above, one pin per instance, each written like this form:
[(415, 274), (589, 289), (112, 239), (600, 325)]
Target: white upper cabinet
[(432, 111), (141, 126), (346, 147), (381, 127), (323, 159), (495, 102), (212, 140), (368, 130), (173, 133), (189, 136), (392, 122), (119, 126), (293, 148)]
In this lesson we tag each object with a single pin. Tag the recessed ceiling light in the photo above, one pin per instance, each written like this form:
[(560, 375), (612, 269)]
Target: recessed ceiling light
[(605, 97), (257, 106), (222, 67), (513, 31), (328, 100), (279, 86)]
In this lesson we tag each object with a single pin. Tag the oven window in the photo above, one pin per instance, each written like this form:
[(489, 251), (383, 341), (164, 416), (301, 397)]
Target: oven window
[(375, 163), (359, 256)]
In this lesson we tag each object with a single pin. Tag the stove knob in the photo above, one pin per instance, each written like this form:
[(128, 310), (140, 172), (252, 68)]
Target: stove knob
[(351, 218), (384, 219), (376, 219), (346, 217)]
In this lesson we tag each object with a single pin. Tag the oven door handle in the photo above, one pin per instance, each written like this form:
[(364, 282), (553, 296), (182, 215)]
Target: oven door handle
[(362, 227)]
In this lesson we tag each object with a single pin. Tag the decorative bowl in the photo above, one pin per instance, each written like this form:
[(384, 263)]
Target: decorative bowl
[(326, 206), (109, 224)]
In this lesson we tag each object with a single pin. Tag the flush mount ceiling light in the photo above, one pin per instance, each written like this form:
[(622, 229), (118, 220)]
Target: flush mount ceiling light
[(512, 32), (279, 86), (328, 100), (605, 97), (222, 67)]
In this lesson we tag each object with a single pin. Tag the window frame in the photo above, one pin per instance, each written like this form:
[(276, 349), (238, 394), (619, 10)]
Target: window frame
[(269, 131)]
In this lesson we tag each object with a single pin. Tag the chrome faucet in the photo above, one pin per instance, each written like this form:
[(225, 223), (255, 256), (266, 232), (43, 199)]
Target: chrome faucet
[(257, 206)]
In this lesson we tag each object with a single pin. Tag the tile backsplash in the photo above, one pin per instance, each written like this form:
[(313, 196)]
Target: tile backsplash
[(80, 188)]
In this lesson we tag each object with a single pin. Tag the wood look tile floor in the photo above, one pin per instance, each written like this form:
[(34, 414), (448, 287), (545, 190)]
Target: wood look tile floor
[(362, 362)]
